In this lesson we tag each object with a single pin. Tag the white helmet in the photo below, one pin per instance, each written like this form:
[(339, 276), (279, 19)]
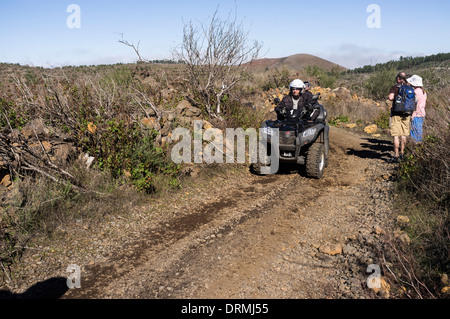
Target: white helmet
[(297, 84)]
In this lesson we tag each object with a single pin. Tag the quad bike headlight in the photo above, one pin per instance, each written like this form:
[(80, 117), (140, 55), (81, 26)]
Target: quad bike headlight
[(267, 130), (309, 132)]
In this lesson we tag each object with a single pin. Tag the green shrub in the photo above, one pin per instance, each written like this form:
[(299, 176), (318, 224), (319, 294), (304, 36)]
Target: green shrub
[(382, 120), (339, 119), (379, 84), (147, 161), (243, 116), (120, 147), (10, 114), (324, 78)]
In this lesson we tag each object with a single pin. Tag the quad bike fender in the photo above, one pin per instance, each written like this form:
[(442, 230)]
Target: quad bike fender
[(304, 142), (316, 131)]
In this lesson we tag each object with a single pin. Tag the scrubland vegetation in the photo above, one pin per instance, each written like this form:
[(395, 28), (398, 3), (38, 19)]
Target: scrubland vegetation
[(100, 109)]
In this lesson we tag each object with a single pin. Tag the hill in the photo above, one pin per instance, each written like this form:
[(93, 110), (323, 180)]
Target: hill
[(294, 63)]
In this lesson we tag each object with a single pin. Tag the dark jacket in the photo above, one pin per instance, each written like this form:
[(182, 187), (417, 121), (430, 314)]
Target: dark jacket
[(287, 104), (394, 90)]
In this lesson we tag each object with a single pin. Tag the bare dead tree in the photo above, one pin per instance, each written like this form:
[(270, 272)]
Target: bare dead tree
[(216, 55), (134, 47)]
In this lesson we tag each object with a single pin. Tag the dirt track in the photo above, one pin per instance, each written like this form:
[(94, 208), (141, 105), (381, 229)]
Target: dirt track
[(233, 235), (249, 236)]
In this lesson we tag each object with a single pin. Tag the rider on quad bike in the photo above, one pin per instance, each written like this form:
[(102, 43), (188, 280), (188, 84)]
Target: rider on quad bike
[(303, 132), (294, 104)]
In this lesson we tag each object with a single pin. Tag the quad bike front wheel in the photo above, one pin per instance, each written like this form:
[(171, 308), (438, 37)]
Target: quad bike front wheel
[(315, 161), (256, 168), (260, 169)]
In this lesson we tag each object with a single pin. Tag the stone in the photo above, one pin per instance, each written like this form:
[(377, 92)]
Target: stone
[(402, 221), (371, 129), (166, 140), (47, 146), (383, 289), (350, 125), (348, 250), (378, 230), (398, 232), (192, 112), (166, 94), (92, 128), (171, 116), (64, 151), (404, 238), (207, 125), (444, 279), (342, 93), (88, 160), (167, 128), (182, 106), (151, 123), (6, 180), (35, 127), (331, 249)]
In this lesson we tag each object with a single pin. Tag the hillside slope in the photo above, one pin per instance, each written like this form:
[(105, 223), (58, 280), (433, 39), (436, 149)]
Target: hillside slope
[(294, 63)]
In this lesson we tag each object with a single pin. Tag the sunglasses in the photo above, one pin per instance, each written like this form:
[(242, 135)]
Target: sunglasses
[(295, 89)]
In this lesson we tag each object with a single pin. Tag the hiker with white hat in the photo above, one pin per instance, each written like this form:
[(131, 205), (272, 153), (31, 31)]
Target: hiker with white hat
[(418, 116)]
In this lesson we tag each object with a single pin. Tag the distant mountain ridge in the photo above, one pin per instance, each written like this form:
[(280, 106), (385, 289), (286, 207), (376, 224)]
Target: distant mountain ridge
[(294, 63)]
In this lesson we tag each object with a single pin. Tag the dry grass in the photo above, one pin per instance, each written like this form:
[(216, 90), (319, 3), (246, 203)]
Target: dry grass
[(73, 97), (354, 110), (424, 196)]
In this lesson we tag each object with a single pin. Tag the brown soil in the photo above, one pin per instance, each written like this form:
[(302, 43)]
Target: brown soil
[(237, 235)]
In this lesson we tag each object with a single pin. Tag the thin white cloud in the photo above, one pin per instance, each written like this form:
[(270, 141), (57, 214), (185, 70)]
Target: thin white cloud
[(353, 56)]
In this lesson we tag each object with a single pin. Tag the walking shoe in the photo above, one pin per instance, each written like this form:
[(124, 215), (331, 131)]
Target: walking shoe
[(393, 159)]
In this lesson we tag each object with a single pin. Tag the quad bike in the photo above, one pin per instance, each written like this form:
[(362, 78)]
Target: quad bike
[(301, 141)]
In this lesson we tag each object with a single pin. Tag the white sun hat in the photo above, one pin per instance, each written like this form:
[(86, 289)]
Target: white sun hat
[(415, 80)]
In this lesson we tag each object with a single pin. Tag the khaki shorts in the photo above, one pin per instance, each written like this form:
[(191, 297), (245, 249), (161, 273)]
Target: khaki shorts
[(400, 125)]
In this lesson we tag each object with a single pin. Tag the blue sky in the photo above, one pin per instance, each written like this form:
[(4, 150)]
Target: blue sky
[(36, 32)]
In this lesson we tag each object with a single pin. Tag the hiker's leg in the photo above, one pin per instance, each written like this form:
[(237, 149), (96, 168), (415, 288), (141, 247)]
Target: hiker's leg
[(402, 144), (417, 129), (414, 130), (396, 145)]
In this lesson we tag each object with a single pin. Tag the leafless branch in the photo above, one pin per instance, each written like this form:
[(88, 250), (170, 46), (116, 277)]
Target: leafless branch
[(134, 47), (216, 55), (26, 159)]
